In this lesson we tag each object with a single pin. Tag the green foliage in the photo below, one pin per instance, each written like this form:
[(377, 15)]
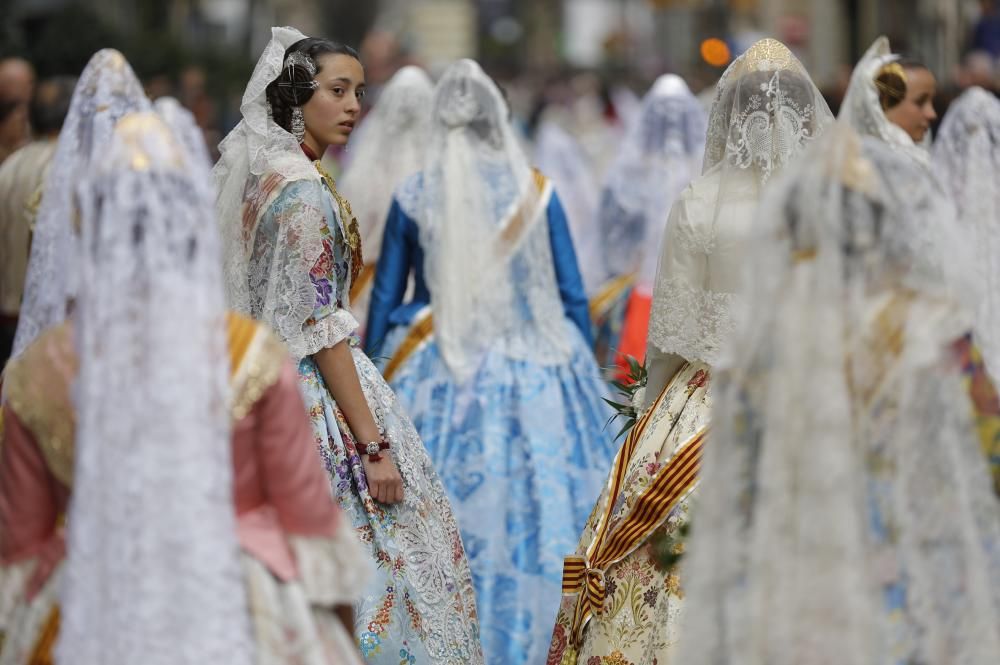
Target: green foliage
[(627, 388), (668, 549)]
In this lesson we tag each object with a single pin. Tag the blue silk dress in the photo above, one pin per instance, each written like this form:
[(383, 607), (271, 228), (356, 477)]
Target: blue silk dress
[(522, 447)]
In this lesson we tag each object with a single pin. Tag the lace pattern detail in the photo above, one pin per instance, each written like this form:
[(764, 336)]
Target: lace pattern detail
[(692, 322), (106, 91), (144, 574), (967, 159)]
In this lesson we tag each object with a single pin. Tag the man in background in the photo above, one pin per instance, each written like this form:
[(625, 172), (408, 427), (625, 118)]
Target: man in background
[(21, 178), (17, 82)]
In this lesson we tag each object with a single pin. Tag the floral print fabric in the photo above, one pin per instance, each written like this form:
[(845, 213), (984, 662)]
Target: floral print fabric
[(420, 608), (643, 599)]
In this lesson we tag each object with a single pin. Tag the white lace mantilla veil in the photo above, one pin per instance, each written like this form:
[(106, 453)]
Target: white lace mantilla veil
[(152, 572), (766, 111), (659, 156), (559, 155), (843, 472), (389, 147), (967, 157), (484, 231), (861, 108), (107, 90), (258, 147)]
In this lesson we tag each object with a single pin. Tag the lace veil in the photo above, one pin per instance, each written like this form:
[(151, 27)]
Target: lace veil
[(660, 155), (559, 155), (845, 514), (862, 110), (389, 148), (153, 572), (483, 228), (255, 148), (967, 157), (766, 111), (107, 90)]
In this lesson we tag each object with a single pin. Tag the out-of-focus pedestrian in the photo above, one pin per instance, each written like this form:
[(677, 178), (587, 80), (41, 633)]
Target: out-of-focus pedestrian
[(21, 178)]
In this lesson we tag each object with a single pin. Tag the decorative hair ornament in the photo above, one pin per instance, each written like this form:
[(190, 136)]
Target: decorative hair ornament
[(294, 60), (895, 69)]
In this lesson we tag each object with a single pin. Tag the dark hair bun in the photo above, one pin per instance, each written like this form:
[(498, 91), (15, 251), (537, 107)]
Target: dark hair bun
[(296, 83)]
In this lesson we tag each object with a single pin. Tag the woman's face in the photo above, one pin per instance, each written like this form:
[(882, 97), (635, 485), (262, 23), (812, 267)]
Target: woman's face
[(916, 112), (333, 109)]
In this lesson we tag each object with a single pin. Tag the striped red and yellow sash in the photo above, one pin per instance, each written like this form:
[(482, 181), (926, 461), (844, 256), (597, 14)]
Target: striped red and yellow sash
[(584, 575)]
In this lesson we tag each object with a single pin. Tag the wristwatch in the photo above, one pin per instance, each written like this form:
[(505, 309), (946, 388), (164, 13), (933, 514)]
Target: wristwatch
[(373, 448)]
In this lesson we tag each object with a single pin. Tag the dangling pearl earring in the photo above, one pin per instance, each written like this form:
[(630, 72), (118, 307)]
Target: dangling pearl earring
[(298, 124)]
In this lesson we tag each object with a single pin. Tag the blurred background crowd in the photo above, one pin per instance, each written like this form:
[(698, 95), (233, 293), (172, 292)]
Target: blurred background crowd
[(592, 58)]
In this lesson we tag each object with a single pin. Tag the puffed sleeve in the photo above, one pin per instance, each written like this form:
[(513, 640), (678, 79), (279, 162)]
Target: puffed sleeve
[(299, 270), (28, 510), (571, 291), (391, 276)]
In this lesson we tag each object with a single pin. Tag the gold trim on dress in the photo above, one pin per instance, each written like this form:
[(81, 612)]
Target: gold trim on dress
[(37, 390), (255, 357), (420, 333), (609, 293)]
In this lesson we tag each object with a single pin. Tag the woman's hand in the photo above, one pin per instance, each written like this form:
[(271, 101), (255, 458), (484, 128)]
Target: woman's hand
[(384, 482)]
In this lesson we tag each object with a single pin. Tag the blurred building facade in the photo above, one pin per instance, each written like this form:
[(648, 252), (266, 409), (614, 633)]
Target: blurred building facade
[(646, 36)]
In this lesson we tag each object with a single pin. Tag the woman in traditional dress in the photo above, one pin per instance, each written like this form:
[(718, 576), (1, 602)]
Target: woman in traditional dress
[(559, 155), (966, 156), (491, 356), (390, 143), (189, 540), (293, 250), (621, 604), (844, 514), (660, 156), (891, 100)]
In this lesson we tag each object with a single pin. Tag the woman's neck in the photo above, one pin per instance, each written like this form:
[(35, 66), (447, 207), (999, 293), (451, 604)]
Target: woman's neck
[(312, 148)]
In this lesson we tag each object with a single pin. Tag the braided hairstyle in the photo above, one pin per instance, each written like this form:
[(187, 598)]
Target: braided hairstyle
[(891, 81), (295, 84)]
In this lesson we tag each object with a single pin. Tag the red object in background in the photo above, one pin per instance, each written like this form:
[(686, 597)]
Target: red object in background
[(633, 339)]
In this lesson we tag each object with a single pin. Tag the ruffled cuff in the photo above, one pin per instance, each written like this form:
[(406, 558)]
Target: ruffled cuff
[(332, 571), (328, 332)]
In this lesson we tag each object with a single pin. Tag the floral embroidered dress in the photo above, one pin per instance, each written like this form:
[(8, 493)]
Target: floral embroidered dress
[(619, 606), (420, 608)]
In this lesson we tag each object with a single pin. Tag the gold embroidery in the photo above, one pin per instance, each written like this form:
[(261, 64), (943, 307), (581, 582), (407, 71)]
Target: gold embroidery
[(37, 385), (37, 390), (256, 357), (42, 653), (364, 280), (351, 232)]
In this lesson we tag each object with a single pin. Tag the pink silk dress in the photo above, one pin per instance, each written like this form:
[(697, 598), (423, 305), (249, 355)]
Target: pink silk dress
[(299, 560)]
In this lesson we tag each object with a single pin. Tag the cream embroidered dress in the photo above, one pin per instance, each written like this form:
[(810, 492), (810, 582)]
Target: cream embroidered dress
[(620, 606)]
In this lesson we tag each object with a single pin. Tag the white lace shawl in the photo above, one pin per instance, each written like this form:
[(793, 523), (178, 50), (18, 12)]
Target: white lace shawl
[(766, 112), (559, 155), (843, 462), (483, 227), (256, 148), (107, 90), (863, 112), (967, 157), (659, 156), (153, 573)]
